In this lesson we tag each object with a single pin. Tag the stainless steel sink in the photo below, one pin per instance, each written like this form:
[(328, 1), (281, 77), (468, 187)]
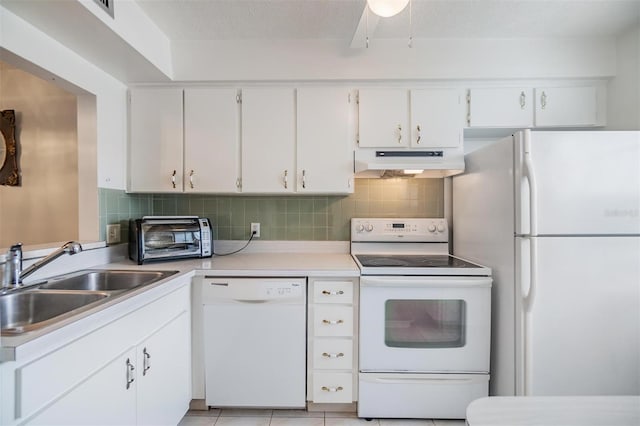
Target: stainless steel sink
[(107, 280), (33, 307), (29, 310)]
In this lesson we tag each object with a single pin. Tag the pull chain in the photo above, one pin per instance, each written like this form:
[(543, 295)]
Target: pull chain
[(410, 24)]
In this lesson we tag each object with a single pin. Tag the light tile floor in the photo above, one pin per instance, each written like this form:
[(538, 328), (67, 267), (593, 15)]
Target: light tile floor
[(234, 417)]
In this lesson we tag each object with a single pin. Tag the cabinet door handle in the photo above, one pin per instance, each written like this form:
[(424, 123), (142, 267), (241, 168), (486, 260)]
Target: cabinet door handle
[(332, 293), (328, 355), (304, 179), (399, 133), (328, 389), (130, 369), (543, 100), (523, 100), (173, 179), (146, 362), (419, 135), (332, 322), (191, 179), (285, 179)]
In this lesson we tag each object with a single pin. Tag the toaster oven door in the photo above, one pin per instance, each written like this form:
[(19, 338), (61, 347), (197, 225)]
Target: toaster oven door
[(177, 238)]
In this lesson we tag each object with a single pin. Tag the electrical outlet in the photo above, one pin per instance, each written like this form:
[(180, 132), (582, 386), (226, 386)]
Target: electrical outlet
[(113, 234), (255, 227)]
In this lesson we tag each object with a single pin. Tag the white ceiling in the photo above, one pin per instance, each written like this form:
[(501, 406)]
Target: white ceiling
[(338, 19)]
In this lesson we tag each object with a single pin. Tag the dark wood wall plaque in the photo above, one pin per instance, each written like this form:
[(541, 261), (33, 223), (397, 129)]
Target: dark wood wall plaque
[(9, 173)]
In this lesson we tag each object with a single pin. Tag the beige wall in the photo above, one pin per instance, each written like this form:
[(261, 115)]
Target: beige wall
[(45, 207)]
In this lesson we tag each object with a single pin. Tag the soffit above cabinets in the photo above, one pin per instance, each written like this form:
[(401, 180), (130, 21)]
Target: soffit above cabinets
[(337, 19)]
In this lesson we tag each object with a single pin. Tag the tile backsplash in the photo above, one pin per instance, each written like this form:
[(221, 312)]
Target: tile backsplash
[(316, 218)]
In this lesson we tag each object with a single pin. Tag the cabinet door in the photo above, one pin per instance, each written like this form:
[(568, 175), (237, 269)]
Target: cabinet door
[(500, 107), (268, 140), (566, 106), (211, 140), (383, 118), (436, 118), (164, 373), (324, 154), (155, 142), (108, 397)]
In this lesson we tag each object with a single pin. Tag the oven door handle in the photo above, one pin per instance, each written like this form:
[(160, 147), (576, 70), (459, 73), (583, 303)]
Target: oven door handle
[(423, 378), (426, 282)]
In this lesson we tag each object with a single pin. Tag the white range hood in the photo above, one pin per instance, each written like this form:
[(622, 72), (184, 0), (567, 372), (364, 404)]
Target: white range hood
[(434, 163)]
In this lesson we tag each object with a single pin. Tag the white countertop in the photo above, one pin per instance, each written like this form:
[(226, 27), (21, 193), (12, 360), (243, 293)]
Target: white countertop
[(272, 262), (258, 264), (555, 411)]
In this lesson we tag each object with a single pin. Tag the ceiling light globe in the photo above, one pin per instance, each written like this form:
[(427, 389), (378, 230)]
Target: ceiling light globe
[(387, 8)]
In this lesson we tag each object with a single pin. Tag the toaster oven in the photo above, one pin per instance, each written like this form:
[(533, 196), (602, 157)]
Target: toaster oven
[(169, 238)]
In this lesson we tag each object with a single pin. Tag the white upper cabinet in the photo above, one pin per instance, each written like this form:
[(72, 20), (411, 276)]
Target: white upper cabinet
[(436, 118), (268, 140), (501, 107), (566, 106), (577, 106), (383, 116), (155, 144), (324, 151), (212, 146)]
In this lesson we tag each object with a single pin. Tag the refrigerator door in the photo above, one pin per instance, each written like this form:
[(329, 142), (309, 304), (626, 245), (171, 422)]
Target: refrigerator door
[(580, 316), (577, 183)]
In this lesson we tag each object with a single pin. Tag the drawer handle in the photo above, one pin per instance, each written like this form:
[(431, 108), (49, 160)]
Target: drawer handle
[(328, 355), (332, 322), (332, 293), (327, 389)]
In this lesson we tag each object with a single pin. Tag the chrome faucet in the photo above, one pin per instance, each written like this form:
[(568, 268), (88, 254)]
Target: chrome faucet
[(17, 274)]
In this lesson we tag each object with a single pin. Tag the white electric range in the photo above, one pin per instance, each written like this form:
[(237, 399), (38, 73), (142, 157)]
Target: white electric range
[(425, 321)]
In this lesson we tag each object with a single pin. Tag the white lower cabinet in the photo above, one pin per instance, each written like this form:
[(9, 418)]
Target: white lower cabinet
[(164, 373), (133, 370), (332, 367), (102, 399)]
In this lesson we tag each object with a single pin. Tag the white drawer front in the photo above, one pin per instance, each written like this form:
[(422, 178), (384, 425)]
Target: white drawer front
[(333, 321), (333, 354), (333, 292), (332, 387)]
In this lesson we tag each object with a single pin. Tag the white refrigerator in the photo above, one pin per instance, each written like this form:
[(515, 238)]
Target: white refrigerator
[(556, 216)]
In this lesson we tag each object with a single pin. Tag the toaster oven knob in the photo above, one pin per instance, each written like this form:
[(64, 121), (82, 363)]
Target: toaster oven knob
[(431, 228), (441, 228), (360, 228), (368, 227)]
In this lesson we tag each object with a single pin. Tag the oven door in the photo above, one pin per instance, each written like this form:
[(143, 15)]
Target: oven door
[(425, 324)]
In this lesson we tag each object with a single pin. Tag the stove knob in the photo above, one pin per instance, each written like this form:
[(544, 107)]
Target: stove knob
[(441, 228), (431, 228), (360, 228), (368, 227)]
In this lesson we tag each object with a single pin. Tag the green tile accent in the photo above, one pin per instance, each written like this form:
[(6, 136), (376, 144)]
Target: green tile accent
[(317, 218)]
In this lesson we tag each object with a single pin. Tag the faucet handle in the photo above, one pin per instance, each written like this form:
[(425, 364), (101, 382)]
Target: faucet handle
[(15, 264)]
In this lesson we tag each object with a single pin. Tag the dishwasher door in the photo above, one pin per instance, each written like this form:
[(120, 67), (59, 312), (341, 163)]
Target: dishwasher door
[(255, 342)]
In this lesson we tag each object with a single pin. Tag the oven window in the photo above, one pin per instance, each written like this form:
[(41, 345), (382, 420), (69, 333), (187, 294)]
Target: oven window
[(424, 323)]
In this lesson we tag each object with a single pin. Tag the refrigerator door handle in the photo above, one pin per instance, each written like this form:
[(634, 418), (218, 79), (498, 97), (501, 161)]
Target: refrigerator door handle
[(529, 175), (528, 299), (528, 294)]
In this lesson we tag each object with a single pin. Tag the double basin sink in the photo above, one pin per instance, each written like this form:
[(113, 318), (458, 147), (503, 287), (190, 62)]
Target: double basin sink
[(40, 305)]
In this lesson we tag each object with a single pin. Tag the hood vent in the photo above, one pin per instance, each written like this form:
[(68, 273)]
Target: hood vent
[(409, 163)]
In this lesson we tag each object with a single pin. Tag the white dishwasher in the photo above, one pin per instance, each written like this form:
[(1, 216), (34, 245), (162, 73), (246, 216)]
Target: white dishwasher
[(254, 342)]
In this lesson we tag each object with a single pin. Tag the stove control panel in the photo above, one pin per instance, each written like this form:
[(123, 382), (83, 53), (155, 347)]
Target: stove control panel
[(404, 229)]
